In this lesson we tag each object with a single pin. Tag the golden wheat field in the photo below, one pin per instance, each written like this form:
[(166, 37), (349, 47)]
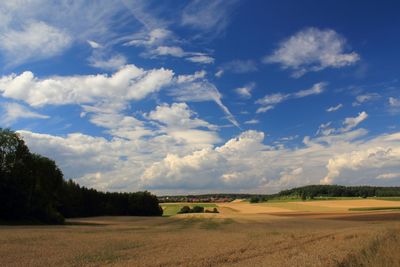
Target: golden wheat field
[(324, 233)]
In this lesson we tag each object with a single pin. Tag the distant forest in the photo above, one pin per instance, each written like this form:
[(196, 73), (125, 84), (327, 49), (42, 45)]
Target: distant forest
[(32, 190), (305, 192), (312, 191)]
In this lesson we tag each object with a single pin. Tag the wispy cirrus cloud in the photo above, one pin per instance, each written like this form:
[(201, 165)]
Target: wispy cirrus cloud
[(11, 112), (28, 33), (348, 124), (239, 66), (334, 108), (200, 90), (268, 102), (364, 98), (208, 16)]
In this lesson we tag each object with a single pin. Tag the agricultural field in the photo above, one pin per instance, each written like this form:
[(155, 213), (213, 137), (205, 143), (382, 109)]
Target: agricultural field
[(310, 233)]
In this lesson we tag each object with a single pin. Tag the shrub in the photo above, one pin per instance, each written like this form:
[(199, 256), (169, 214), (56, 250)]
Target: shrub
[(197, 209), (185, 209), (254, 200)]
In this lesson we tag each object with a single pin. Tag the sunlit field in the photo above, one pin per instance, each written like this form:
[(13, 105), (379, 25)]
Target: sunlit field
[(312, 233)]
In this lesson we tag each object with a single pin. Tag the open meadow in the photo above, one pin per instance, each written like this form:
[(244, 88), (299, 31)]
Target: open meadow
[(323, 233)]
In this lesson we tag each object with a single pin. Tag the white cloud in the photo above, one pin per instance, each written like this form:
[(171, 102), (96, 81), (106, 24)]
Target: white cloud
[(208, 15), (268, 102), (245, 91), (191, 77), (28, 33), (240, 66), (252, 121), (349, 124), (12, 112), (154, 37), (200, 91), (394, 102), (264, 109), (94, 44), (114, 62), (352, 122), (178, 116), (203, 59), (161, 162), (174, 51), (155, 42), (219, 73), (312, 49), (128, 83), (316, 89), (371, 159), (334, 108), (36, 40), (360, 99)]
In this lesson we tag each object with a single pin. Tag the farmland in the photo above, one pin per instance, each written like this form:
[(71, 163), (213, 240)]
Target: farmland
[(310, 233)]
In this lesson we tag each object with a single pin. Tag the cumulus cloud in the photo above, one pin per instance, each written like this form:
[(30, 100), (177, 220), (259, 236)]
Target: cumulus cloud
[(268, 102), (12, 112), (128, 83), (161, 162), (312, 49), (334, 108), (371, 159)]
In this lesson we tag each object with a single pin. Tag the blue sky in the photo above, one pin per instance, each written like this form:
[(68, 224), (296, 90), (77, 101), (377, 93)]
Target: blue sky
[(205, 96)]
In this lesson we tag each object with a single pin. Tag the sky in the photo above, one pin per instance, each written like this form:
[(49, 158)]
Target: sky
[(203, 96)]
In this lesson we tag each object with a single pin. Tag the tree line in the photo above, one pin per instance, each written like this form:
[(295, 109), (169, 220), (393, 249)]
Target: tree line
[(312, 191), (32, 189)]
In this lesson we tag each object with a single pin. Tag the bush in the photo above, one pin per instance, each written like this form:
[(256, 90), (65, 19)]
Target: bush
[(254, 200), (197, 209), (185, 209)]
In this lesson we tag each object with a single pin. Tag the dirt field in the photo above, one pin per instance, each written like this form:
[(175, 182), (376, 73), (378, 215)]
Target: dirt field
[(241, 235)]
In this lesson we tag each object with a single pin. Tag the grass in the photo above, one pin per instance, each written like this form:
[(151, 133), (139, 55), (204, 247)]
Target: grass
[(171, 209), (374, 208)]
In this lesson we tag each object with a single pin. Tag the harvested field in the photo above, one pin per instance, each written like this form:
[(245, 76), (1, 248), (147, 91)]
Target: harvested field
[(348, 204), (242, 234)]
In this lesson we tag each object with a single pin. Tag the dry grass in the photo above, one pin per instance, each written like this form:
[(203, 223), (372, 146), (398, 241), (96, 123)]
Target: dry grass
[(231, 238)]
